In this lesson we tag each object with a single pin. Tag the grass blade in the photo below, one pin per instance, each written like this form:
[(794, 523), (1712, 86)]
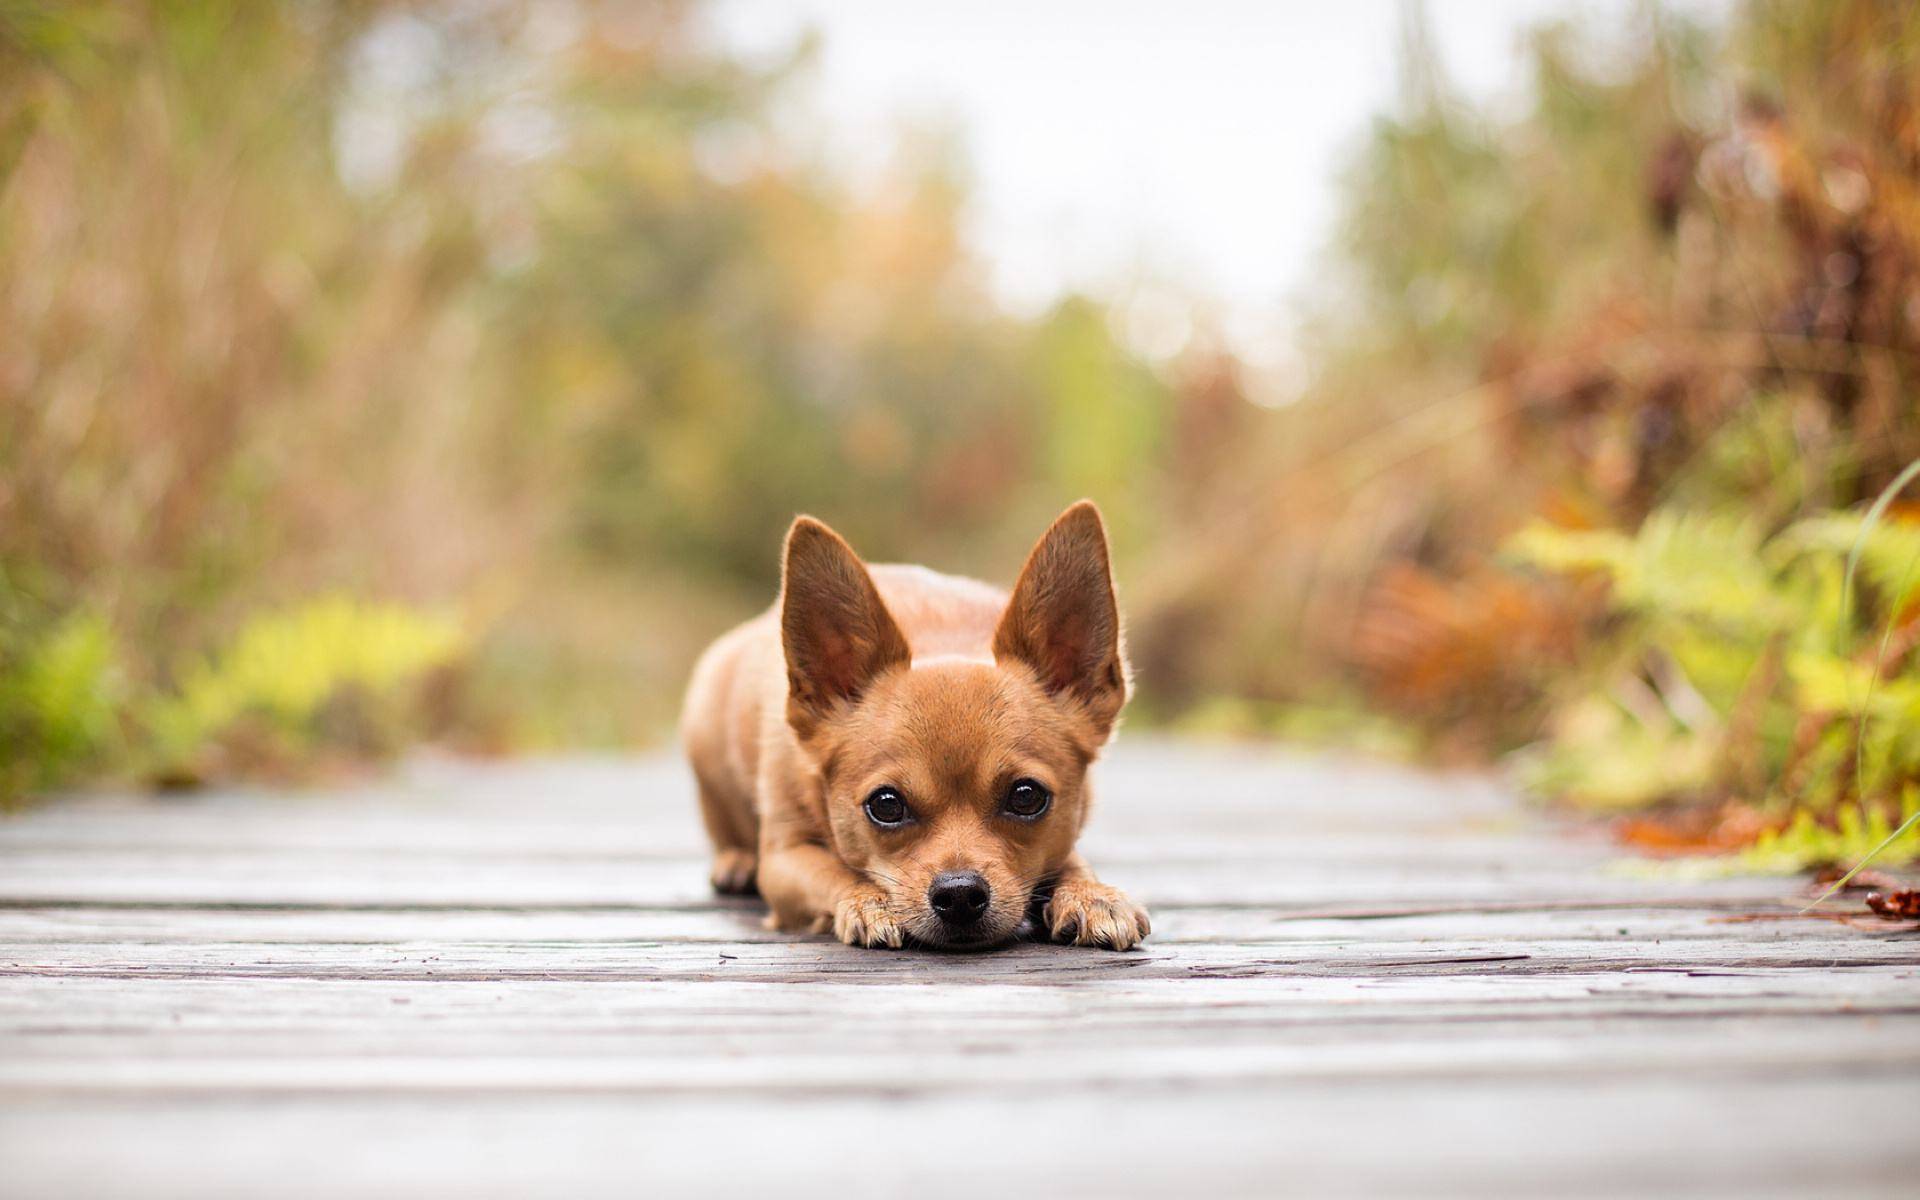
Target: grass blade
[(1875, 514)]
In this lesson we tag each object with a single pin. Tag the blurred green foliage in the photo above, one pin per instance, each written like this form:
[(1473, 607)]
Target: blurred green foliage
[(1658, 334), (1851, 833), (60, 694), (527, 312), (520, 306), (1736, 665), (284, 669), (333, 674)]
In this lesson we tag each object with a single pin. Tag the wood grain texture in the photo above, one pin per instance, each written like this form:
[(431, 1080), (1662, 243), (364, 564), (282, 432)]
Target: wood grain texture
[(510, 979)]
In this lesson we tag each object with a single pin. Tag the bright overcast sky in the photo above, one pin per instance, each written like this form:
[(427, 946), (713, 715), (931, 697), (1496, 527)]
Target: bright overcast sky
[(1114, 143)]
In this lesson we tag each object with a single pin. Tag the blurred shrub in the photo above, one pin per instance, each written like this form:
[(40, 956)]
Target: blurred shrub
[(1685, 272), (1666, 320), (286, 670), (60, 700), (1849, 834), (332, 677), (517, 305), (1740, 668), (1471, 655)]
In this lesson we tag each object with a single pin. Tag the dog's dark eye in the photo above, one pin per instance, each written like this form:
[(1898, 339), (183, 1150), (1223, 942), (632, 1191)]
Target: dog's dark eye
[(1027, 799), (885, 808)]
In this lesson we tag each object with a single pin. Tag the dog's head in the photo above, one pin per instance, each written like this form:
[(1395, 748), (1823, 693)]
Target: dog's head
[(957, 785)]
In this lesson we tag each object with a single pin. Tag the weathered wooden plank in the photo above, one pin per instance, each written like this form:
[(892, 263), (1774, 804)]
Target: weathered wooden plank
[(802, 959), (737, 921), (813, 1066), (797, 1065), (1491, 1137), (51, 1004), (131, 877)]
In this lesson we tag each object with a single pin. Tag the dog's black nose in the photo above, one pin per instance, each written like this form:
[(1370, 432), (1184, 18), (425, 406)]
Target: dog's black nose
[(959, 898)]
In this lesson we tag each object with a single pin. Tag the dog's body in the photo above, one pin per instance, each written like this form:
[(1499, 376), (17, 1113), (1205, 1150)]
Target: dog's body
[(896, 754)]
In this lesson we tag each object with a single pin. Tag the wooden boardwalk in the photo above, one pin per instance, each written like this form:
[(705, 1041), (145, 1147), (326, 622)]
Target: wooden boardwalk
[(510, 980)]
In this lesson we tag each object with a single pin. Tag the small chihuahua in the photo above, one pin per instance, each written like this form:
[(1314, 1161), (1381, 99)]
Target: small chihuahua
[(901, 756)]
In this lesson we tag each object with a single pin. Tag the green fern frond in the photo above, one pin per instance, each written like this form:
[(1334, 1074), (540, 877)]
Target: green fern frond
[(1691, 566), (1888, 551)]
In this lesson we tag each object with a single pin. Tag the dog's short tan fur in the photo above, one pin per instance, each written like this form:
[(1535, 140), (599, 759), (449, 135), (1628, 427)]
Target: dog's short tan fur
[(947, 691)]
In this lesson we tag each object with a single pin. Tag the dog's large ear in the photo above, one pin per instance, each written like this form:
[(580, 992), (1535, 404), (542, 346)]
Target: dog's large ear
[(836, 630), (1062, 621)]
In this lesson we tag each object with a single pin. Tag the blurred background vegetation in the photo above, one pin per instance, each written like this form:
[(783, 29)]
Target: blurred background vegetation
[(352, 401)]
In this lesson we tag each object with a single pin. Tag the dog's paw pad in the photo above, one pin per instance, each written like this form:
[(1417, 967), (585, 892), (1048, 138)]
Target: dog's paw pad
[(733, 872), (863, 919), (1086, 913)]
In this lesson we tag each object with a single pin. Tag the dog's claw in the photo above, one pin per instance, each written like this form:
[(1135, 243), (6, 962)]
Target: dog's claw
[(1086, 912), (862, 919)]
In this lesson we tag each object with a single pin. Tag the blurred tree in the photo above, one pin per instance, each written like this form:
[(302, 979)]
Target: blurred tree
[(524, 303)]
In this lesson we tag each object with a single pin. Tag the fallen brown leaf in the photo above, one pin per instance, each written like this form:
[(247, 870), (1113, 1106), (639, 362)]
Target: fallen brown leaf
[(1902, 905)]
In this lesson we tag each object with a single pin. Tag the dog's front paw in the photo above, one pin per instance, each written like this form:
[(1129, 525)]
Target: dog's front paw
[(863, 919), (733, 872), (1086, 912)]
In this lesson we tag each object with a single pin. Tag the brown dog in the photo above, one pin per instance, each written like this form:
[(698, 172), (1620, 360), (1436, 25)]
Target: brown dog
[(901, 755)]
